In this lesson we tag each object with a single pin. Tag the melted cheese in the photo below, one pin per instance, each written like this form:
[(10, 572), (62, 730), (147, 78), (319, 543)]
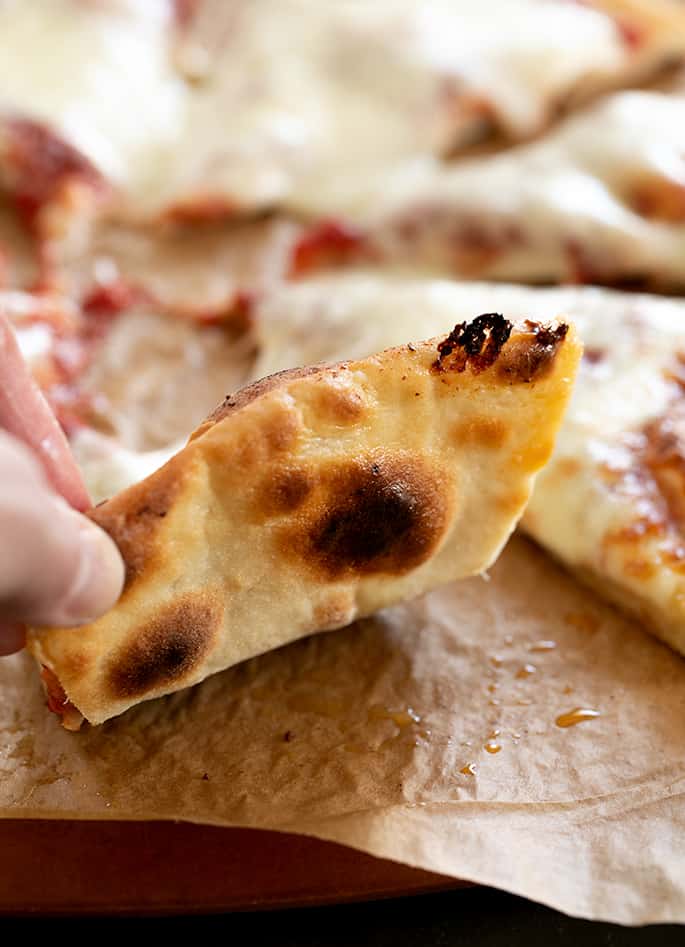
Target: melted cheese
[(597, 486), (99, 74), (109, 467), (321, 100), (308, 105), (573, 200)]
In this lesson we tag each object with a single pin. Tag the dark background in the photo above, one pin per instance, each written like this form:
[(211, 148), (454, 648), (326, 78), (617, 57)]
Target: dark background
[(478, 917)]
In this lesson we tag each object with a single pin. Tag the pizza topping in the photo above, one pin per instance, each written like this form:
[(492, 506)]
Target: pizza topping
[(475, 344), (632, 34), (328, 243), (40, 167), (58, 702), (112, 297)]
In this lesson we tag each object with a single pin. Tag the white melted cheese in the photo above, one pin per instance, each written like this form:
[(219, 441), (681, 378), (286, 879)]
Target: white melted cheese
[(573, 188), (637, 339), (108, 467), (99, 74), (308, 105)]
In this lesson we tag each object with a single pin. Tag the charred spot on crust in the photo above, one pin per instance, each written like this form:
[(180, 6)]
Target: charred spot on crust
[(474, 344), (166, 649), (532, 355), (133, 518), (384, 515)]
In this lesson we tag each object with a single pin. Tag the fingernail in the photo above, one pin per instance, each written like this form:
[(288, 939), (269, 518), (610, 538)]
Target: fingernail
[(99, 578)]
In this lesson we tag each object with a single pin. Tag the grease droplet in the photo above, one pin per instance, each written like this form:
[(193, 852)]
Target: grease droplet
[(469, 769), (492, 747), (496, 660), (545, 644), (526, 671), (401, 718), (577, 715)]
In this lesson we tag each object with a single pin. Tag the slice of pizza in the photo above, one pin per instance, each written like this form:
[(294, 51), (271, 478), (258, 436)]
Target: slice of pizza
[(315, 497), (611, 502), (599, 199), (347, 93)]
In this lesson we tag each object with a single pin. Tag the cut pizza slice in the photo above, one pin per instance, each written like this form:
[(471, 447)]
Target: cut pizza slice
[(346, 94), (610, 504), (315, 497), (599, 199)]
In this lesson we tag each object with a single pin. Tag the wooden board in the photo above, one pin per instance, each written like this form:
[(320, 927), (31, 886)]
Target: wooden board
[(53, 867)]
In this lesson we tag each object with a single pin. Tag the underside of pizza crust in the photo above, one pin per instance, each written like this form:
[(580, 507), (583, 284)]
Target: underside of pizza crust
[(315, 497), (609, 504)]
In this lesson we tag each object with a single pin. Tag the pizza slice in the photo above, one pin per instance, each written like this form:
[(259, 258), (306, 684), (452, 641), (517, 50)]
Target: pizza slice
[(346, 94), (315, 497), (351, 93), (610, 504), (599, 199)]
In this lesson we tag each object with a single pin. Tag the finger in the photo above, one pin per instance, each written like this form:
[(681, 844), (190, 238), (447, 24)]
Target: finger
[(25, 413), (12, 637), (56, 566)]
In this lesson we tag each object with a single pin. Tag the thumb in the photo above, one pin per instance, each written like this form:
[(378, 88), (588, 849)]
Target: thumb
[(56, 566)]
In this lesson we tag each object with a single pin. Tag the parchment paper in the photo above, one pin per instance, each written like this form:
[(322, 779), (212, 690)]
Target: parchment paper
[(361, 736)]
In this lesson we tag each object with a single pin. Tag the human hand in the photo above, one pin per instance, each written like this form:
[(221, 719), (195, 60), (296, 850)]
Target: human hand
[(56, 566)]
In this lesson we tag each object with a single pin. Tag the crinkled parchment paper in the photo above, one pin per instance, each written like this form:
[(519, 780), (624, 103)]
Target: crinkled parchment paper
[(366, 736)]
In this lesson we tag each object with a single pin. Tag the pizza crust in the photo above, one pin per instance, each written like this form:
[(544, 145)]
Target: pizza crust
[(314, 498), (609, 503)]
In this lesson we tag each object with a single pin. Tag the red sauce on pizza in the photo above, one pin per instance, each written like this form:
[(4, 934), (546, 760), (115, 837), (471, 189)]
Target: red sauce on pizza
[(41, 167), (326, 244), (632, 35)]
